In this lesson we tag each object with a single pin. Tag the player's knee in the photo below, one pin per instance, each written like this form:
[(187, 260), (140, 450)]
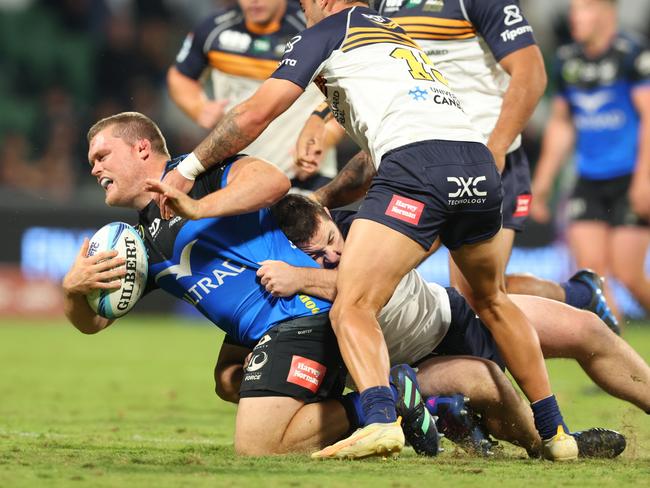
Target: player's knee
[(343, 311), (589, 336), (491, 304)]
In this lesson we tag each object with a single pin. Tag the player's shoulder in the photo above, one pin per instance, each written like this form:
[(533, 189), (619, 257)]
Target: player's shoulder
[(325, 33)]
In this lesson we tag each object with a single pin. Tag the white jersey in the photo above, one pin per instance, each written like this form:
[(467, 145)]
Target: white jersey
[(381, 87), (466, 39), (415, 320)]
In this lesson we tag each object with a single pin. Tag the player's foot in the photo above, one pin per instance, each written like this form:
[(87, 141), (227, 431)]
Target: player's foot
[(598, 303), (560, 447), (372, 440), (599, 443), (418, 424), (459, 424)]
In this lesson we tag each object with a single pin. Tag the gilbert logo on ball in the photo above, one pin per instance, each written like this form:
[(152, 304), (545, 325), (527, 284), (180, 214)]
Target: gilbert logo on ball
[(127, 242)]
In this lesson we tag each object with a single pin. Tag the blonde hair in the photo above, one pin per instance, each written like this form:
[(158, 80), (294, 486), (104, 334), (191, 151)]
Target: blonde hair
[(132, 126)]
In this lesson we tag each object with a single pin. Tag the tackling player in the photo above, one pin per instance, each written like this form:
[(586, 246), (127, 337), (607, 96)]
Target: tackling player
[(435, 182), (487, 51)]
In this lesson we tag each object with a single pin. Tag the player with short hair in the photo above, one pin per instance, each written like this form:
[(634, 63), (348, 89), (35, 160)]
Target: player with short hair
[(435, 182), (208, 255), (423, 319), (602, 106)]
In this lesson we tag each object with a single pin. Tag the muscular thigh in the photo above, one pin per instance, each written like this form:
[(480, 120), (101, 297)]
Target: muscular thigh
[(629, 248), (589, 243), (455, 374), (374, 260)]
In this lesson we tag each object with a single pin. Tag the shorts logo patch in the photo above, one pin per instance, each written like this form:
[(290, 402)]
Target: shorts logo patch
[(256, 362), (405, 209), (306, 373), (523, 206)]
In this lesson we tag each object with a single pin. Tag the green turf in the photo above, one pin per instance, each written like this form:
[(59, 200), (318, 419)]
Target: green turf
[(133, 406)]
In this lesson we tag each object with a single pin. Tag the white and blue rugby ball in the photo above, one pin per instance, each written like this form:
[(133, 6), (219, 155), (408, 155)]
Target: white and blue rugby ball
[(123, 238)]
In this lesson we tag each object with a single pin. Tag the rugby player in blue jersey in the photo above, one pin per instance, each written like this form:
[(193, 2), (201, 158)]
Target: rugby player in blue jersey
[(602, 106), (209, 256), (436, 182)]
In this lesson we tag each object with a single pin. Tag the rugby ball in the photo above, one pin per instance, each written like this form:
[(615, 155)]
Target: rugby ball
[(123, 238)]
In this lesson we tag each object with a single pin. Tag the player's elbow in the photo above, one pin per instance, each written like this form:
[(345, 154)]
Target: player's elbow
[(227, 380), (279, 188)]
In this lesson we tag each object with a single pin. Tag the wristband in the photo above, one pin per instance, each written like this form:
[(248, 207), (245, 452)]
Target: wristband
[(322, 113), (190, 167)]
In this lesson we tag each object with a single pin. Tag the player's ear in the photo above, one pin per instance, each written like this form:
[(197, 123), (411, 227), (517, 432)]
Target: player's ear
[(143, 148), (327, 211)]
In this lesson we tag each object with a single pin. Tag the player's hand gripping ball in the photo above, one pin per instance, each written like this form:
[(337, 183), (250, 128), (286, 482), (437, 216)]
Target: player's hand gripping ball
[(123, 238)]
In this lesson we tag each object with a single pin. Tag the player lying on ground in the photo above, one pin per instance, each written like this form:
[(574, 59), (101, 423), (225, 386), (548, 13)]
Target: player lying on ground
[(209, 257), (421, 318)]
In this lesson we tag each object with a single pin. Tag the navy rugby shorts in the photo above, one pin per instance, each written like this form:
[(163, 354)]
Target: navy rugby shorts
[(467, 336), (516, 190), (298, 358), (437, 188)]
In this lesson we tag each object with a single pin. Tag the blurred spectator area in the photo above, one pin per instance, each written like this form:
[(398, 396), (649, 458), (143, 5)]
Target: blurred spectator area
[(65, 64)]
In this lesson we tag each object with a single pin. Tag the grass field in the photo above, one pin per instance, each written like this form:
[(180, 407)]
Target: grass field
[(134, 406)]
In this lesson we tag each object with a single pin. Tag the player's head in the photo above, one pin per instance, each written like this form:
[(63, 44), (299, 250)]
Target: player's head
[(310, 227), (317, 10), (123, 150), (263, 12), (591, 19)]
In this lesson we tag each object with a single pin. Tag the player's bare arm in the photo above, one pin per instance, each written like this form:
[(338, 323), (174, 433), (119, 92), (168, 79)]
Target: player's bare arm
[(640, 187), (252, 184), (190, 96), (321, 131), (558, 140), (229, 371), (350, 184), (101, 271), (283, 280), (527, 84)]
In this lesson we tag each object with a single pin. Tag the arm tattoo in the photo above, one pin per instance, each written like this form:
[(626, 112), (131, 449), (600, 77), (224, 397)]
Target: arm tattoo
[(225, 140), (350, 184)]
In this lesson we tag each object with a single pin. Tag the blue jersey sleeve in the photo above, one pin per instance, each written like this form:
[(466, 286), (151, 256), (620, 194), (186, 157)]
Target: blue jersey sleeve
[(191, 60), (305, 53), (501, 23)]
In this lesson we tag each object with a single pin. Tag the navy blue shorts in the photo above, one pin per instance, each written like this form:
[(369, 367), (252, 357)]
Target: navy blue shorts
[(516, 190), (467, 336), (437, 188)]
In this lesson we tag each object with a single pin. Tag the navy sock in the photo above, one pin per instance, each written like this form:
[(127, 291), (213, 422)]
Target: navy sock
[(578, 294), (547, 417), (352, 404), (378, 405)]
